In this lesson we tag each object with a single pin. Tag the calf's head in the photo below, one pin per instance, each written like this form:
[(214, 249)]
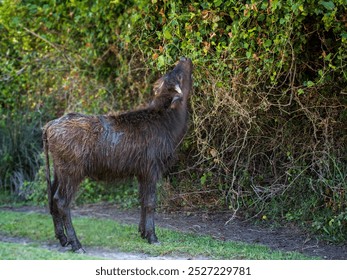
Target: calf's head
[(176, 83)]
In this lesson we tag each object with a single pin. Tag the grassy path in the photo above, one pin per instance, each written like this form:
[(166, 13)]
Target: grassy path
[(107, 235)]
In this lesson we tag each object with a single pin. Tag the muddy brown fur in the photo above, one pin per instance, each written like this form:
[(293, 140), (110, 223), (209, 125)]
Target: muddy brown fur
[(138, 143)]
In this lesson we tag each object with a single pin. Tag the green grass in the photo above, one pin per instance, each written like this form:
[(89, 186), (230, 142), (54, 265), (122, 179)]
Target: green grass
[(112, 235), (13, 251)]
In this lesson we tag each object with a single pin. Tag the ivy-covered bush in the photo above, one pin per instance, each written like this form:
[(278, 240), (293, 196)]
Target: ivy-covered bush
[(268, 109)]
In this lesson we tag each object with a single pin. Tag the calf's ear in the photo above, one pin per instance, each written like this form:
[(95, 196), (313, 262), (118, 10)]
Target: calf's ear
[(157, 87)]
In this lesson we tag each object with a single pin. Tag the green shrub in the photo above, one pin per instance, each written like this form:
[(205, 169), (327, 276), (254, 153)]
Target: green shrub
[(19, 153), (268, 110), (122, 194)]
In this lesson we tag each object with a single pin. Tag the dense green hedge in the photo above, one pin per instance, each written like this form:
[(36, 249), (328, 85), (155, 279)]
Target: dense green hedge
[(268, 111)]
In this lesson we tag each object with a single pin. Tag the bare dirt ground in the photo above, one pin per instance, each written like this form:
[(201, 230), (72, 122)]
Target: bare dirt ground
[(288, 238)]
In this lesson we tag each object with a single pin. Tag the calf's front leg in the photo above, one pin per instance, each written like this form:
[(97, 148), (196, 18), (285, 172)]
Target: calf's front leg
[(148, 204)]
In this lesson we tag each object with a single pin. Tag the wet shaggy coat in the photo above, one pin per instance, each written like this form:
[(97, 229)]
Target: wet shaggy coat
[(111, 147), (138, 143)]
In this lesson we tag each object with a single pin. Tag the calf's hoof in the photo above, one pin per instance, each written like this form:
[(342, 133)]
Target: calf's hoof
[(63, 241), (152, 239), (77, 247), (79, 251)]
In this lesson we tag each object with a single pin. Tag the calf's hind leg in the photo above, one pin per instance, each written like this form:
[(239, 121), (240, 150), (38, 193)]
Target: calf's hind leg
[(57, 219), (63, 200)]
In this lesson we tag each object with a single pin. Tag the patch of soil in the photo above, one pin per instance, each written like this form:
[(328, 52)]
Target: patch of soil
[(288, 238)]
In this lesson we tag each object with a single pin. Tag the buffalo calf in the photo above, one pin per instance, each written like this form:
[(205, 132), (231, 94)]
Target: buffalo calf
[(138, 143)]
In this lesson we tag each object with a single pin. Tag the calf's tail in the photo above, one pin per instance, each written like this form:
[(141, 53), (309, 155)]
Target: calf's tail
[(48, 173)]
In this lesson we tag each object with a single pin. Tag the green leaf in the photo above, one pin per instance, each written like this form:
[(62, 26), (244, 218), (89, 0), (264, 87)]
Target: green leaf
[(329, 5), (217, 3), (161, 61), (203, 179), (310, 83), (267, 43), (300, 91), (219, 84), (167, 34)]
